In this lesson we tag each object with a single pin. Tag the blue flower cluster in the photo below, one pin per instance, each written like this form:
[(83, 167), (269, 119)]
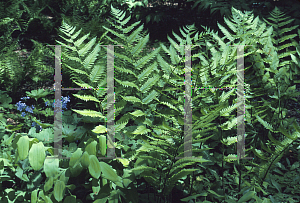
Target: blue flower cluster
[(38, 127), (21, 106)]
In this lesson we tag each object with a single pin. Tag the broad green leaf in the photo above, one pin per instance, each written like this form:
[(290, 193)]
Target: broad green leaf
[(108, 172), (23, 147), (75, 157), (91, 148), (85, 160), (37, 156), (59, 190), (48, 200), (48, 185), (94, 167), (51, 167), (34, 196)]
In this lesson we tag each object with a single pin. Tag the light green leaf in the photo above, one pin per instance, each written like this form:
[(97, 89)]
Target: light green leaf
[(109, 173), (51, 167), (94, 167), (137, 113), (91, 148), (23, 147), (48, 184), (37, 156), (87, 112), (99, 129), (59, 190)]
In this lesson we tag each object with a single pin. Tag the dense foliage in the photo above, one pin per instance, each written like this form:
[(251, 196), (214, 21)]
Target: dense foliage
[(149, 118)]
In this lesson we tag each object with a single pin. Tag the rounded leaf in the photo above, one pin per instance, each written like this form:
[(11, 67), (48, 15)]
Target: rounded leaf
[(75, 157), (94, 167), (91, 148), (37, 156), (23, 147), (85, 160), (59, 190), (51, 167)]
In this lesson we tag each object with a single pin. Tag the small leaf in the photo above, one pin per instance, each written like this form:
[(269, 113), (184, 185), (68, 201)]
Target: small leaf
[(99, 129), (137, 113)]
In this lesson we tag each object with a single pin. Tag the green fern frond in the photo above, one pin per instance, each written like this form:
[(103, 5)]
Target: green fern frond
[(149, 83), (127, 83), (147, 72), (138, 48), (91, 58), (86, 98), (135, 34), (264, 123), (79, 42), (96, 73), (146, 59), (171, 181), (87, 112), (150, 97), (121, 36)]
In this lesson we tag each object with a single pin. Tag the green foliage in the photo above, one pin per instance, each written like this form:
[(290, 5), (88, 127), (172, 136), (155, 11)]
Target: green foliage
[(151, 94)]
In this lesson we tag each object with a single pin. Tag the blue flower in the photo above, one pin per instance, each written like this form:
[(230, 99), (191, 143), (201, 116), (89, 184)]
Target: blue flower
[(23, 98), (64, 101), (20, 106), (37, 126), (23, 114), (28, 109)]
